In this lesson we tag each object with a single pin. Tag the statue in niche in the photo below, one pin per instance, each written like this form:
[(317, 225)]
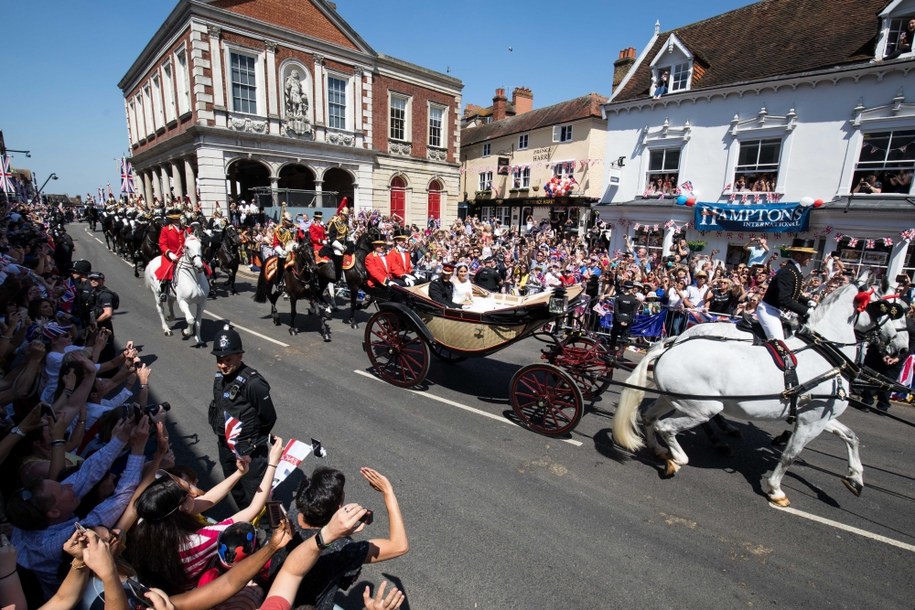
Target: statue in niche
[(296, 100)]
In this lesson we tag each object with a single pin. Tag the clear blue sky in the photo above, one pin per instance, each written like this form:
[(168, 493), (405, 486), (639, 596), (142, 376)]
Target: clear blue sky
[(63, 60)]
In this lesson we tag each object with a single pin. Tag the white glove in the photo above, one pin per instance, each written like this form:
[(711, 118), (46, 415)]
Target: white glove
[(280, 251), (338, 247), (409, 280), (293, 246), (351, 238), (811, 304), (171, 256), (410, 276)]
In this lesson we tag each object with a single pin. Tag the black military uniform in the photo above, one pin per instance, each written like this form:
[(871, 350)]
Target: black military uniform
[(488, 277), (624, 312), (101, 299), (245, 396), (441, 290)]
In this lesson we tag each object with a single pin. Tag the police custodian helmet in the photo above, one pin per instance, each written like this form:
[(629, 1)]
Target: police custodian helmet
[(227, 342)]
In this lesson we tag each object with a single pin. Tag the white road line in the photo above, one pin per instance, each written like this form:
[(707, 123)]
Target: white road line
[(247, 330), (465, 407), (848, 528)]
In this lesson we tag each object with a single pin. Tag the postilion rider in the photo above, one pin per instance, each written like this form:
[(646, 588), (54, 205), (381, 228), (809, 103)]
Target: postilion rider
[(784, 293), (171, 245)]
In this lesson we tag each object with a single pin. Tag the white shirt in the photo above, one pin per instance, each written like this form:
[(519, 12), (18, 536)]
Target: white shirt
[(696, 295)]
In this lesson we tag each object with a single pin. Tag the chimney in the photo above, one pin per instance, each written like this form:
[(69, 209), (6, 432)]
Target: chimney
[(522, 100), (498, 105), (621, 66)]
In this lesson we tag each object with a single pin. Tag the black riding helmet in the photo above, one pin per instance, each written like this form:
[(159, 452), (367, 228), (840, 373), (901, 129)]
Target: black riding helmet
[(227, 342)]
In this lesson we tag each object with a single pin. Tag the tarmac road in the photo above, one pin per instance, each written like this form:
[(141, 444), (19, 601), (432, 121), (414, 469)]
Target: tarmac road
[(499, 517)]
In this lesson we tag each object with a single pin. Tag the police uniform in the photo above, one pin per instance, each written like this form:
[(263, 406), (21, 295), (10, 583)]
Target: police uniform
[(244, 395), (624, 311)]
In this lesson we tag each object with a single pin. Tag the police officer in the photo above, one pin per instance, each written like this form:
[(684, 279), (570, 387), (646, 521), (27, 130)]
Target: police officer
[(623, 315), (240, 393)]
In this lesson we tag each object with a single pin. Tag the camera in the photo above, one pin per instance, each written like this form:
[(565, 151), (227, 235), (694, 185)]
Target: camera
[(135, 411), (368, 518)]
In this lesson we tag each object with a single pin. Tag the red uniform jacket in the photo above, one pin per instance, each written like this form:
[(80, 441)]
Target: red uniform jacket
[(171, 239), (378, 269), (399, 263), (317, 233)]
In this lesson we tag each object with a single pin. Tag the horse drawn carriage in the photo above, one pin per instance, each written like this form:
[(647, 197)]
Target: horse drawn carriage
[(547, 396), (691, 383)]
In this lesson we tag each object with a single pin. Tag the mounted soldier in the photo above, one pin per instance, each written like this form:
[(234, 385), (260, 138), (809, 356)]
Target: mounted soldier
[(337, 234), (283, 243), (171, 245)]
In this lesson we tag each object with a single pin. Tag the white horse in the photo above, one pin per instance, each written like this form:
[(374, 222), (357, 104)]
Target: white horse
[(191, 289), (702, 377)]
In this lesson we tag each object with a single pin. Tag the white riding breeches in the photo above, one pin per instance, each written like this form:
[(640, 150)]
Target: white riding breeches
[(771, 320)]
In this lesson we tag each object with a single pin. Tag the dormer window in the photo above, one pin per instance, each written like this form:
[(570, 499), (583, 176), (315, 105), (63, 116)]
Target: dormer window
[(897, 31), (672, 68)]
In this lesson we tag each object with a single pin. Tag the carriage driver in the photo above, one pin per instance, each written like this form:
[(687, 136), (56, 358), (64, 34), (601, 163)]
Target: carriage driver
[(400, 263), (242, 393), (784, 292), (171, 244)]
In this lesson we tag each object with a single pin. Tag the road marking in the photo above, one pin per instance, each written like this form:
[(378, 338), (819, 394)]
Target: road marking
[(453, 403), (848, 528), (247, 330)]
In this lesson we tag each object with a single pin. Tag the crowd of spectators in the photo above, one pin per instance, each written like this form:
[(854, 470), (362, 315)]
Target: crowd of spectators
[(95, 512)]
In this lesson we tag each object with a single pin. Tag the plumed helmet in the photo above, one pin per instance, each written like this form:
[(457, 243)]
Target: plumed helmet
[(227, 342)]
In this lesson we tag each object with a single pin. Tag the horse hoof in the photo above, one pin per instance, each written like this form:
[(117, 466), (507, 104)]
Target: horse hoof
[(168, 333), (293, 331), (853, 486), (185, 337), (783, 501), (276, 322), (663, 455), (671, 469), (327, 338)]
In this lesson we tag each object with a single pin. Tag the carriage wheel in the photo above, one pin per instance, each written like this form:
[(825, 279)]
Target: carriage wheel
[(588, 362), (546, 399), (446, 355), (396, 350)]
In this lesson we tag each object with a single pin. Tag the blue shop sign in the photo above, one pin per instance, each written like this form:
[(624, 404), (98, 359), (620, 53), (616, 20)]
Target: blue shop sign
[(752, 218)]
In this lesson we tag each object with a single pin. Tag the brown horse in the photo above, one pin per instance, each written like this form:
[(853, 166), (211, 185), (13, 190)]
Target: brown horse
[(302, 281), (356, 275)]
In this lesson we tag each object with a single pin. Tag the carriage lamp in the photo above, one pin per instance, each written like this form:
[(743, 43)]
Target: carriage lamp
[(558, 301)]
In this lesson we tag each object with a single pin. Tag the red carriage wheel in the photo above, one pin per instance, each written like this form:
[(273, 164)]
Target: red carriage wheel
[(587, 361), (546, 399), (396, 350)]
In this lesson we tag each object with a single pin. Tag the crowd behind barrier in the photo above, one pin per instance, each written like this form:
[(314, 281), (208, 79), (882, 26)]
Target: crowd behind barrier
[(88, 456)]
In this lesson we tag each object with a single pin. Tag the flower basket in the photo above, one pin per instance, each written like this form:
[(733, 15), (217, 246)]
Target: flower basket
[(696, 246)]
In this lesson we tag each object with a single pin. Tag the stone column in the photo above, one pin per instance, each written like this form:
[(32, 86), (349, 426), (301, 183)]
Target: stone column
[(158, 185), (319, 92), (358, 101), (147, 187), (176, 177), (319, 194), (273, 109), (219, 100), (191, 175)]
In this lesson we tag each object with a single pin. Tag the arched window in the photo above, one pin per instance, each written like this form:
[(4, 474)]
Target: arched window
[(398, 196), (435, 200)]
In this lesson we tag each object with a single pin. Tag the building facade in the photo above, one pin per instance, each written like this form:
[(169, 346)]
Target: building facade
[(276, 102), (727, 137), (547, 163)]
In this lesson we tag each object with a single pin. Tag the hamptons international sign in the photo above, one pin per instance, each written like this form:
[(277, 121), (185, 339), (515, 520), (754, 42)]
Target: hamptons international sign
[(755, 218)]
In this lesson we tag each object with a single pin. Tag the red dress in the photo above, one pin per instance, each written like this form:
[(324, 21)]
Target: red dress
[(171, 239), (378, 270), (399, 263)]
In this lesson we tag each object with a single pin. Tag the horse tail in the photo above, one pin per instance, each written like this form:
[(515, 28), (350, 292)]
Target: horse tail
[(625, 431), (263, 286)]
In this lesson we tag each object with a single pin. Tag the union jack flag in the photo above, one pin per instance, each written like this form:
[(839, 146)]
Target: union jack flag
[(126, 177), (233, 430), (687, 186), (6, 176)]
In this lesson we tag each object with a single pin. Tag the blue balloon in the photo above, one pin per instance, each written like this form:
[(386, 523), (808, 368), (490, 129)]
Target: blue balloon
[(681, 200)]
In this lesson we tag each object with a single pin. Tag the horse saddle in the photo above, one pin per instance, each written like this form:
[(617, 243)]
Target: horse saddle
[(270, 267), (320, 258), (349, 260), (751, 325)]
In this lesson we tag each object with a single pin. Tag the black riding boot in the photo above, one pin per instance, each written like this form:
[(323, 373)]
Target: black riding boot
[(164, 288)]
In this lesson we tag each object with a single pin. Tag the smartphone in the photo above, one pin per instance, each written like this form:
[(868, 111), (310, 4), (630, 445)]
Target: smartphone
[(47, 410), (368, 518), (137, 593), (275, 513), (79, 528)]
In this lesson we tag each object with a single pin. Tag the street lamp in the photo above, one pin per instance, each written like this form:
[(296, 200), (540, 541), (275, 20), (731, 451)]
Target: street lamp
[(53, 176)]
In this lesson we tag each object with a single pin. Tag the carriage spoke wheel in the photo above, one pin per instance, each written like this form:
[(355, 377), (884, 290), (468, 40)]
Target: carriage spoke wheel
[(546, 399), (396, 349), (588, 362)]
